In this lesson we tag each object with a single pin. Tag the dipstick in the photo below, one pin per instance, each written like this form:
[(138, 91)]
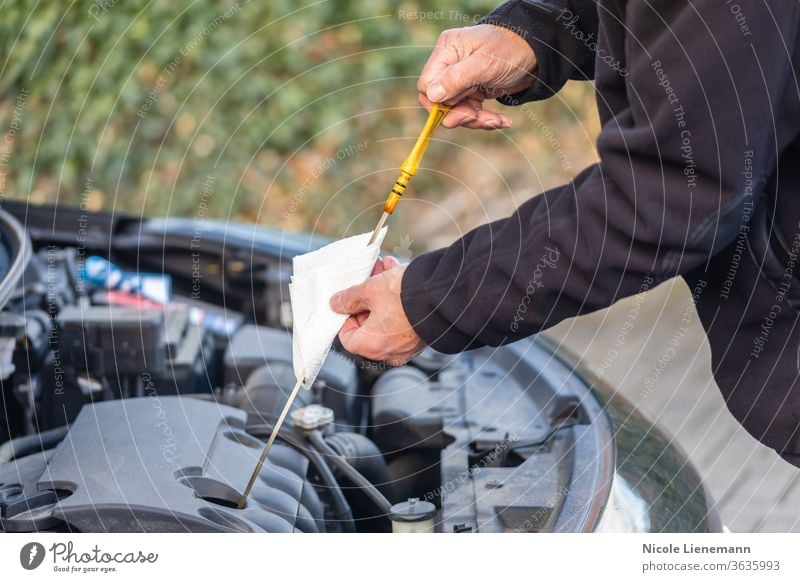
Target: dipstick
[(407, 171), (411, 164), (273, 435), (378, 228)]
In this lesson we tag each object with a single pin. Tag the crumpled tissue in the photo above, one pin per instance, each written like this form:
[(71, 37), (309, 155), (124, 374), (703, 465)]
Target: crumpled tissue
[(317, 276)]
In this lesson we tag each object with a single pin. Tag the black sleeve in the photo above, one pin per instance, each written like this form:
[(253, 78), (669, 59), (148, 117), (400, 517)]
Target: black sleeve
[(683, 161), (562, 34)]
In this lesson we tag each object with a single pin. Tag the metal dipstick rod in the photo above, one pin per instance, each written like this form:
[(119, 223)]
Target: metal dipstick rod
[(273, 435), (407, 171)]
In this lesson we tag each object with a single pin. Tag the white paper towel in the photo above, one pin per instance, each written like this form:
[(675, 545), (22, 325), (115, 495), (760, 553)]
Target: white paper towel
[(317, 276)]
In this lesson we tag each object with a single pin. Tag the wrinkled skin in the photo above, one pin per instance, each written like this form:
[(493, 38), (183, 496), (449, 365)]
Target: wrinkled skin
[(473, 64)]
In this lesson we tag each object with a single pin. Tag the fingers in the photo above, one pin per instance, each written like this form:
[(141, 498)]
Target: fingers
[(377, 328), (355, 340), (470, 113), (390, 263), (384, 264), (456, 81), (353, 300), (485, 119), (357, 299), (360, 318), (454, 70), (367, 343), (470, 65), (350, 324), (362, 339), (442, 56), (377, 269)]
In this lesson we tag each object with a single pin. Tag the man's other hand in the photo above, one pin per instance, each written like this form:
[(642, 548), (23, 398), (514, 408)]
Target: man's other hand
[(472, 64), (377, 328)]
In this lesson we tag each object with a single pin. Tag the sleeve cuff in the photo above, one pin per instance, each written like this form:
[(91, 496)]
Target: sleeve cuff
[(421, 301)]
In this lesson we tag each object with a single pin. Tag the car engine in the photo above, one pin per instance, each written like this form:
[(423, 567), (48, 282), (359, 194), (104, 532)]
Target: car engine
[(121, 414)]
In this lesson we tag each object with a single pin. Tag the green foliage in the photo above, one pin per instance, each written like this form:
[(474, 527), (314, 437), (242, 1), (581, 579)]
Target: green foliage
[(132, 105)]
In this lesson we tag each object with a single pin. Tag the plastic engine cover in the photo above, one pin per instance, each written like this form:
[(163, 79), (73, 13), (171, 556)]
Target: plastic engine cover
[(165, 464)]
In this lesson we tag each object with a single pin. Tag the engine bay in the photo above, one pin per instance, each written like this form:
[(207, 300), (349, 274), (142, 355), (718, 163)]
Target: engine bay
[(125, 415)]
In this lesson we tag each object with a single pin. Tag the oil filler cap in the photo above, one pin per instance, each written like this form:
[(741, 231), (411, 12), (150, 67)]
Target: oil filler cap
[(312, 417)]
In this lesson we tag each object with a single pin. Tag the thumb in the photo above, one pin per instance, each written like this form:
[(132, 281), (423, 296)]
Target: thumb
[(457, 80), (355, 299)]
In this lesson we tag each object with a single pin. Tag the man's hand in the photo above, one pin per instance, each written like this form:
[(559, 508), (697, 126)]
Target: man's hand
[(377, 328), (470, 65)]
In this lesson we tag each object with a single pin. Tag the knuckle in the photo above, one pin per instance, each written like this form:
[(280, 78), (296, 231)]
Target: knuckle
[(371, 286), (353, 344), (346, 341), (371, 354), (457, 79), (457, 34)]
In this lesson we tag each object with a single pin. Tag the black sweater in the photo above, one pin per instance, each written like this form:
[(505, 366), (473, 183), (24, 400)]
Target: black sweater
[(699, 105)]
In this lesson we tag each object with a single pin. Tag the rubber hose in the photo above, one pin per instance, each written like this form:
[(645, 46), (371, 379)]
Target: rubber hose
[(32, 443), (341, 507), (349, 471), (365, 456)]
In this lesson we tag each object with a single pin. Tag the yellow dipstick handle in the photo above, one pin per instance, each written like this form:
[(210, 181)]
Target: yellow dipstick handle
[(411, 164)]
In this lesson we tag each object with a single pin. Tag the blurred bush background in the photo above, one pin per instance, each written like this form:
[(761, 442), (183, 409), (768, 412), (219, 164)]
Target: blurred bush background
[(299, 113)]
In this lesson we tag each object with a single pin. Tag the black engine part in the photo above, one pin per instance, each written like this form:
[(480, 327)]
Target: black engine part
[(106, 352), (490, 448), (260, 358)]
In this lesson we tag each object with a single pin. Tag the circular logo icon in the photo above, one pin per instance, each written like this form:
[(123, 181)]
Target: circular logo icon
[(31, 555)]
